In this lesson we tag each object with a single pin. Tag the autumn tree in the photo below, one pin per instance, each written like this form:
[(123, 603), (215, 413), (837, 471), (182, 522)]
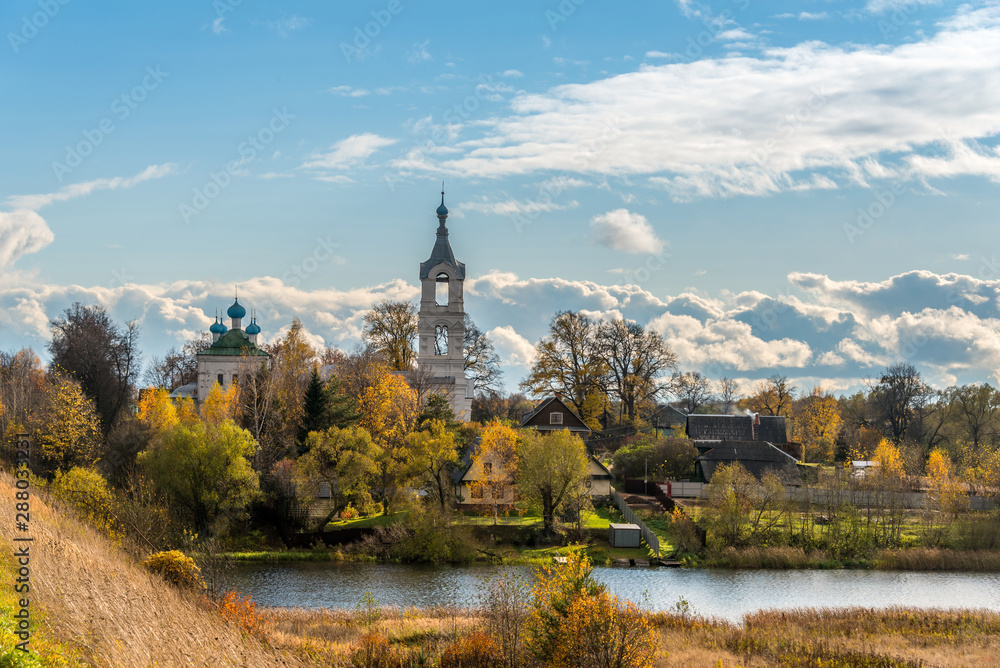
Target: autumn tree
[(388, 412), (637, 363), (345, 459), (156, 410), (220, 404), (24, 392), (568, 361), (946, 491), (100, 354), (494, 468), (693, 391), (550, 467), (391, 327), (72, 435), (741, 509), (261, 411), (433, 455), (178, 367), (204, 468), (816, 424), (482, 364), (499, 405), (773, 396), (293, 359), (976, 409)]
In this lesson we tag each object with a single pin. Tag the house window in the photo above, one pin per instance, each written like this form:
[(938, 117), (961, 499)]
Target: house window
[(222, 380), (555, 418), (488, 468), (496, 489), (441, 340), (441, 289), (476, 491)]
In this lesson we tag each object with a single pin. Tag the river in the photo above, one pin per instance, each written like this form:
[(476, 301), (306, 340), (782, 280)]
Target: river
[(711, 592)]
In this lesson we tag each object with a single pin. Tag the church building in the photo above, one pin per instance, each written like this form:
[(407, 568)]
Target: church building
[(441, 321), (230, 351)]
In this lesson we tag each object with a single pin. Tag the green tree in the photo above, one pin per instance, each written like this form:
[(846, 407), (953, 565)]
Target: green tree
[(346, 460), (315, 408), (433, 456), (741, 509), (437, 408), (657, 458), (204, 468), (550, 468)]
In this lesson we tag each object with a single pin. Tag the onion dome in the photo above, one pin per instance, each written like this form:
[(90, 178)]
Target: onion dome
[(236, 310), (217, 327), (253, 327), (442, 210)]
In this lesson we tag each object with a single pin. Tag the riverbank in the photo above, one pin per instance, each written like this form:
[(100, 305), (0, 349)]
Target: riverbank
[(897, 637)]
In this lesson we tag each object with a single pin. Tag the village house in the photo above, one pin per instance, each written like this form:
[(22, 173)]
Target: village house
[(758, 442), (476, 483)]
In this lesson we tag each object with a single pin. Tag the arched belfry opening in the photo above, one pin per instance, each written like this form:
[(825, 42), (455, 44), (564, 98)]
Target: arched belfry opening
[(441, 321)]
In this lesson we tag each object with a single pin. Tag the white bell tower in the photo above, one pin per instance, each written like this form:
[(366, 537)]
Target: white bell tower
[(441, 321)]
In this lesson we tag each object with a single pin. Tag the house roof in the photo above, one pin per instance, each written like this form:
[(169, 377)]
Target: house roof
[(442, 253), (667, 416), (606, 475), (755, 456), (574, 423), (736, 428), (466, 462), (234, 343)]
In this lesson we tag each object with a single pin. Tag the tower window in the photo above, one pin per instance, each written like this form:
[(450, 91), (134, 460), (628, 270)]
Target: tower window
[(222, 380), (442, 289), (441, 340)]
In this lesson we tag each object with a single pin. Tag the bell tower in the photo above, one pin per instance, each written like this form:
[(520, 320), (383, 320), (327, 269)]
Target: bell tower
[(441, 321)]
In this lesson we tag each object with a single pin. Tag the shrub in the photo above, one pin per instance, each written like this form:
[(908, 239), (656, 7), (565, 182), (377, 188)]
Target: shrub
[(476, 650), (374, 651), (175, 568), (242, 611), (601, 631)]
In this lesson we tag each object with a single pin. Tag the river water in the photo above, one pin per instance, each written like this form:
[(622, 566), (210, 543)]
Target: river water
[(712, 592)]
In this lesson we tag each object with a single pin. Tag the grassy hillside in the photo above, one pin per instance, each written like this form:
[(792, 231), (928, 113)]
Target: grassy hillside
[(108, 611)]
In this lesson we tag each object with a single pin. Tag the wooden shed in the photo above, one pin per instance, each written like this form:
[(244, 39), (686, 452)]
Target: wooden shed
[(624, 535)]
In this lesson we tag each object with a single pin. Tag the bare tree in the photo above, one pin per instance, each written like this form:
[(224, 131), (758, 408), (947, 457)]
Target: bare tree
[(692, 389), (774, 396), (728, 394), (637, 362), (391, 326), (482, 364), (892, 396), (100, 354)]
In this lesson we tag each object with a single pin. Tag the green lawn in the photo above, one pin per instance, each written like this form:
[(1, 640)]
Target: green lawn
[(361, 522)]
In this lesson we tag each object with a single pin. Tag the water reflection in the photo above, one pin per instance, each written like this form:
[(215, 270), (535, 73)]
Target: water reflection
[(721, 593)]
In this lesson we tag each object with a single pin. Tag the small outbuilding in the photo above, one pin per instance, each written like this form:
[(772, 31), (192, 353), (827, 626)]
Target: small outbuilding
[(624, 535)]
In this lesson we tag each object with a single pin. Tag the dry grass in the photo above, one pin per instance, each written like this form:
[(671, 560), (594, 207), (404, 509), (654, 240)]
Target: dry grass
[(937, 559), (100, 602)]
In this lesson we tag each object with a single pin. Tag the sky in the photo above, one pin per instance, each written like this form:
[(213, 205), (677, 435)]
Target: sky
[(802, 188)]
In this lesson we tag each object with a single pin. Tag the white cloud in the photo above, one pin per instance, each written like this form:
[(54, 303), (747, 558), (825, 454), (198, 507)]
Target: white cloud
[(660, 54), (513, 207), (909, 6), (218, 26), (286, 25), (349, 152), (813, 16), (833, 115), (623, 230), (349, 91), (35, 202), (22, 232), (513, 74), (515, 350), (419, 54)]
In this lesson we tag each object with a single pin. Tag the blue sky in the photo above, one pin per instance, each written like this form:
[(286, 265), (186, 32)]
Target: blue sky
[(806, 188)]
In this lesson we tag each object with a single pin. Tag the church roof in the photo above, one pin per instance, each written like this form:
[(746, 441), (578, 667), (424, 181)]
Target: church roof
[(442, 252), (233, 343)]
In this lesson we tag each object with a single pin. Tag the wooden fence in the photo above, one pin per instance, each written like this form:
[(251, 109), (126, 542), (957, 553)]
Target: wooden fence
[(647, 534)]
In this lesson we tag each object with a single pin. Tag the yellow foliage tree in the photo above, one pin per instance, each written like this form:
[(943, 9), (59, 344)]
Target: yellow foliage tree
[(889, 467), (388, 410), (816, 424), (494, 466), (602, 631), (73, 432), (157, 411), (220, 405), (432, 454), (945, 489)]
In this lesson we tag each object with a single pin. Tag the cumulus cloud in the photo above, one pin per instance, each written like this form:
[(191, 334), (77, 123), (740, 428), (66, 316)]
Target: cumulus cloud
[(22, 232), (348, 152), (623, 230), (833, 115), (349, 91), (831, 333)]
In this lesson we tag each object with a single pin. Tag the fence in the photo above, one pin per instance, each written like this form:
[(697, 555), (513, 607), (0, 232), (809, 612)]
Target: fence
[(651, 540), (686, 489)]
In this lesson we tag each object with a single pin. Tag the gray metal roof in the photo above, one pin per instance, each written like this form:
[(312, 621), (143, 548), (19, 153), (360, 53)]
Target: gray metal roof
[(755, 456), (736, 428)]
